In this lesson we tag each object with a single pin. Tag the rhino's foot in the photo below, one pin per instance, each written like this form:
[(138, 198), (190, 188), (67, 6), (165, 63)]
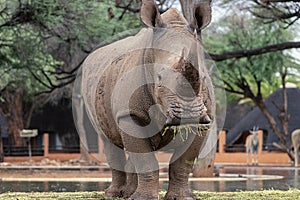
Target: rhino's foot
[(128, 191), (140, 196), (120, 191), (114, 191), (187, 195)]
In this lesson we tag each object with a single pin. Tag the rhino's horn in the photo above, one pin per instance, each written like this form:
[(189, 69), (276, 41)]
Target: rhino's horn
[(193, 55), (188, 66), (191, 69), (180, 65)]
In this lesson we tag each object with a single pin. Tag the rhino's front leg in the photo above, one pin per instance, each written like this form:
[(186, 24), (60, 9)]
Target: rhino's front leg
[(143, 159), (116, 160), (179, 171), (116, 188), (131, 179)]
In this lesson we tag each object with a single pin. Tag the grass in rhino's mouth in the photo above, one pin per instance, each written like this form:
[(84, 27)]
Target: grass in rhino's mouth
[(185, 129)]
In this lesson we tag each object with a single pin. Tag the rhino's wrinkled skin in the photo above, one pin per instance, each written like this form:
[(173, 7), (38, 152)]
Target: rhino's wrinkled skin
[(141, 89)]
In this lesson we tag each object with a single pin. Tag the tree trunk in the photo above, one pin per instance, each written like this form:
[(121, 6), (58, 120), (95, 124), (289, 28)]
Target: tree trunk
[(82, 132), (284, 115), (188, 8), (1, 148), (79, 109), (12, 111), (274, 126), (262, 106), (84, 152), (40, 100), (205, 167)]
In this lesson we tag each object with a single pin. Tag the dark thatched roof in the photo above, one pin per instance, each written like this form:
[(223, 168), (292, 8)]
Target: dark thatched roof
[(235, 112), (256, 118)]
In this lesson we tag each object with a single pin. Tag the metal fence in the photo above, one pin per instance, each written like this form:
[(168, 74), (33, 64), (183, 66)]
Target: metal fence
[(242, 148), (38, 150), (235, 148), (22, 151)]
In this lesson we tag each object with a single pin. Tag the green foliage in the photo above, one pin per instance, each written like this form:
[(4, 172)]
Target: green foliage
[(23, 56), (105, 27), (263, 72), (29, 30)]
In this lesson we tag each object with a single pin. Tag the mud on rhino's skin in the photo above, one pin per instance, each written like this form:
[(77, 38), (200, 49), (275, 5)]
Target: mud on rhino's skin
[(140, 92)]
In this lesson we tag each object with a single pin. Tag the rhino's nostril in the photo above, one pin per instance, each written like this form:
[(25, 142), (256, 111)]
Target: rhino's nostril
[(205, 120), (169, 121), (178, 120)]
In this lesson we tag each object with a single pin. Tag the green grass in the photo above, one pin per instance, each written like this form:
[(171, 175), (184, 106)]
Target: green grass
[(292, 194)]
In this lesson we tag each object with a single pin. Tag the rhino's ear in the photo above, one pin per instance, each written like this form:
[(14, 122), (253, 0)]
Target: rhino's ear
[(150, 14), (202, 15)]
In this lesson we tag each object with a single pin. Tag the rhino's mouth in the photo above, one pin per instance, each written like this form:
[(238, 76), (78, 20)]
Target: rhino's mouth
[(185, 117), (185, 130), (181, 111)]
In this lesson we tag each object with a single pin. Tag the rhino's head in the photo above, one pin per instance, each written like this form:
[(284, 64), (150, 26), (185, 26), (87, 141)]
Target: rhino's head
[(182, 85)]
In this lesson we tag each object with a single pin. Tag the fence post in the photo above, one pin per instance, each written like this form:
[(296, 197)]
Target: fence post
[(222, 141), (101, 154), (261, 141), (46, 145)]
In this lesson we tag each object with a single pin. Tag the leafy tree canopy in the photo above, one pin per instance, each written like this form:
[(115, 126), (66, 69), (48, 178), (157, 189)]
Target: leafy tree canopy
[(42, 44), (239, 32), (39, 39)]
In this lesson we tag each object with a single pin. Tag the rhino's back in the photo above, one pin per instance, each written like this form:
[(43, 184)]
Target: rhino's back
[(100, 72)]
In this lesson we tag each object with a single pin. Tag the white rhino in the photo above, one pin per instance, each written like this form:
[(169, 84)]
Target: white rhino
[(145, 92)]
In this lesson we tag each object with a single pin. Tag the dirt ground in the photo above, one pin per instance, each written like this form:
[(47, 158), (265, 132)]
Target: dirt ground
[(53, 174), (53, 169)]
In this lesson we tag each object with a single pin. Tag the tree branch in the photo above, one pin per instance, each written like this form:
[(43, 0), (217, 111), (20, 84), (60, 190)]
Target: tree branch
[(286, 11), (253, 52), (279, 1), (127, 8)]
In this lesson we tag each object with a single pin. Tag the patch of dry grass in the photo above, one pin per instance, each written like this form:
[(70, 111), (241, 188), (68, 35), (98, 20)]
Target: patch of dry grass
[(292, 194)]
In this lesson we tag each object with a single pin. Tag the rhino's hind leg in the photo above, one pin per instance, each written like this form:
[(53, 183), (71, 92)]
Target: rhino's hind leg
[(179, 171)]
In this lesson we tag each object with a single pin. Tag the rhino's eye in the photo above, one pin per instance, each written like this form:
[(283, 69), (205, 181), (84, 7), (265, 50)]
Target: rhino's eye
[(159, 77), (159, 80)]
